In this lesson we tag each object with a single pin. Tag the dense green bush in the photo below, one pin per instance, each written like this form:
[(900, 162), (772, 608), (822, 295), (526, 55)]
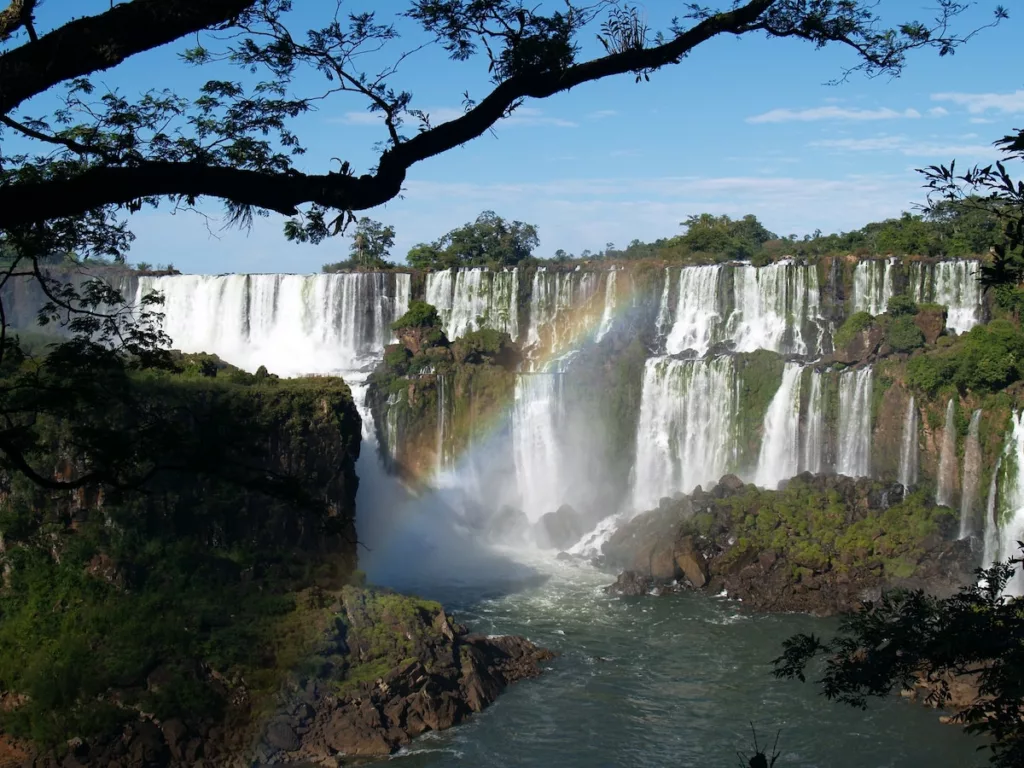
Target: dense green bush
[(419, 315), (985, 359), (901, 304), (854, 324), (902, 335)]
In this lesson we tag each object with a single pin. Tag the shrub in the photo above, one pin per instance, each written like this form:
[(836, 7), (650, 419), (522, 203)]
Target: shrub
[(903, 335), (987, 358), (901, 304), (420, 315), (854, 324)]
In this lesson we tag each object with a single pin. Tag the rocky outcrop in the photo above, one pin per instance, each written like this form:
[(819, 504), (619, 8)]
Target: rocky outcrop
[(561, 529), (862, 346), (389, 668), (821, 544), (931, 321)]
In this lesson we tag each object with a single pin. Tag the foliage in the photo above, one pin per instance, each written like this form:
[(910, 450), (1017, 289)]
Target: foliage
[(488, 241), (486, 345), (901, 304), (991, 194), (819, 530), (853, 325), (903, 335), (101, 152), (371, 246), (985, 359), (908, 634), (739, 239), (419, 315)]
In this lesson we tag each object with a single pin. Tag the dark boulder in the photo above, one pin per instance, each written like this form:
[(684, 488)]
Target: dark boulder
[(561, 529)]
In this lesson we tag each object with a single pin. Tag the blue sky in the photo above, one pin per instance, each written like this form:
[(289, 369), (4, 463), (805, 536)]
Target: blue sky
[(741, 126)]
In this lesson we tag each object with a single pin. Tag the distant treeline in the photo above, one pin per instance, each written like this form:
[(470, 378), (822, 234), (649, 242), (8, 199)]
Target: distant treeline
[(948, 229)]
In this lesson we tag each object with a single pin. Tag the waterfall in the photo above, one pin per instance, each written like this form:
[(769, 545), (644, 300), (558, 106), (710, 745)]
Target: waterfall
[(972, 473), (872, 285), (535, 442), (443, 458), (947, 459), (909, 448), (472, 299), (991, 534), (697, 314), (562, 309), (686, 430), (814, 427), (293, 324), (772, 305), (955, 285), (780, 443), (854, 454), (609, 306), (1008, 513)]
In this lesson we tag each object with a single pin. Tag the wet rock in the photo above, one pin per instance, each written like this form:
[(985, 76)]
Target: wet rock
[(630, 584), (281, 735), (561, 529), (931, 321), (508, 525), (731, 483), (691, 562)]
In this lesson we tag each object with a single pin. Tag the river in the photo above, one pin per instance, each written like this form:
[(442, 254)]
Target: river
[(658, 681)]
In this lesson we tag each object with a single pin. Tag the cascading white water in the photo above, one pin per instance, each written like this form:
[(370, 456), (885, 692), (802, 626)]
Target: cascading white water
[(535, 442), (686, 431), (610, 298), (814, 427), (293, 324), (854, 443), (698, 317), (780, 443), (954, 284), (971, 476), (1008, 512), (909, 448), (947, 459), (472, 299), (562, 310), (771, 305), (872, 285), (991, 528)]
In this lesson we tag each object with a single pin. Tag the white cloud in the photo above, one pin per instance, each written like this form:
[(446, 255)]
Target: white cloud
[(600, 114), (831, 113), (534, 116), (978, 103), (909, 147), (981, 121), (938, 112)]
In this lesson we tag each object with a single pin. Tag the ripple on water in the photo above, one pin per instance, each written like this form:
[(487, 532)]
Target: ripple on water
[(668, 681)]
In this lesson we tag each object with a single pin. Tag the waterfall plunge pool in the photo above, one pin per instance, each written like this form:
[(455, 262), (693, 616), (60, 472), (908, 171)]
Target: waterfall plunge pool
[(661, 681)]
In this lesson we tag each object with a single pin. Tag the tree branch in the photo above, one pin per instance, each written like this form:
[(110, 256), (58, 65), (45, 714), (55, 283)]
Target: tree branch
[(96, 43), (15, 16), (22, 203)]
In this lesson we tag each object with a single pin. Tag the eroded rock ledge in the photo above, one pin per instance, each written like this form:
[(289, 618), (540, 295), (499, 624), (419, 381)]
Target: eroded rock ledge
[(389, 668), (821, 544)]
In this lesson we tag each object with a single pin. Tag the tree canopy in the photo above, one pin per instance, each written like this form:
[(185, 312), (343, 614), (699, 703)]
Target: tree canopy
[(101, 153), (909, 636), (487, 241), (371, 246)]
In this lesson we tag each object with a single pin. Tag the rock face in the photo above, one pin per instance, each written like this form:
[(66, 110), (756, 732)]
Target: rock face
[(391, 667), (861, 347), (821, 545), (931, 321), (561, 529)]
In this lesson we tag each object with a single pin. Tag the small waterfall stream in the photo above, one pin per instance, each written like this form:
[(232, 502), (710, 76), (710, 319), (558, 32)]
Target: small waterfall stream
[(854, 442), (971, 477), (780, 443), (947, 460), (812, 451), (909, 448)]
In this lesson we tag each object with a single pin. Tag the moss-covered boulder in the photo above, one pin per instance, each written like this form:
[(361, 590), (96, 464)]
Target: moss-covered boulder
[(821, 544)]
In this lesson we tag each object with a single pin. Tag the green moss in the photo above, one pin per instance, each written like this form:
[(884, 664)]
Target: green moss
[(853, 325)]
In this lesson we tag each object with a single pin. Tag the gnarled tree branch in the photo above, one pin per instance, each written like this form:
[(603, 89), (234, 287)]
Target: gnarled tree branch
[(95, 43)]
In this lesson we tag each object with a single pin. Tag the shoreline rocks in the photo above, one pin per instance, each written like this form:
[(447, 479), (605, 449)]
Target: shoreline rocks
[(821, 544), (389, 668)]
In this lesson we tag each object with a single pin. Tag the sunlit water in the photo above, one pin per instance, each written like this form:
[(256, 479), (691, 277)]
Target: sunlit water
[(669, 681)]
